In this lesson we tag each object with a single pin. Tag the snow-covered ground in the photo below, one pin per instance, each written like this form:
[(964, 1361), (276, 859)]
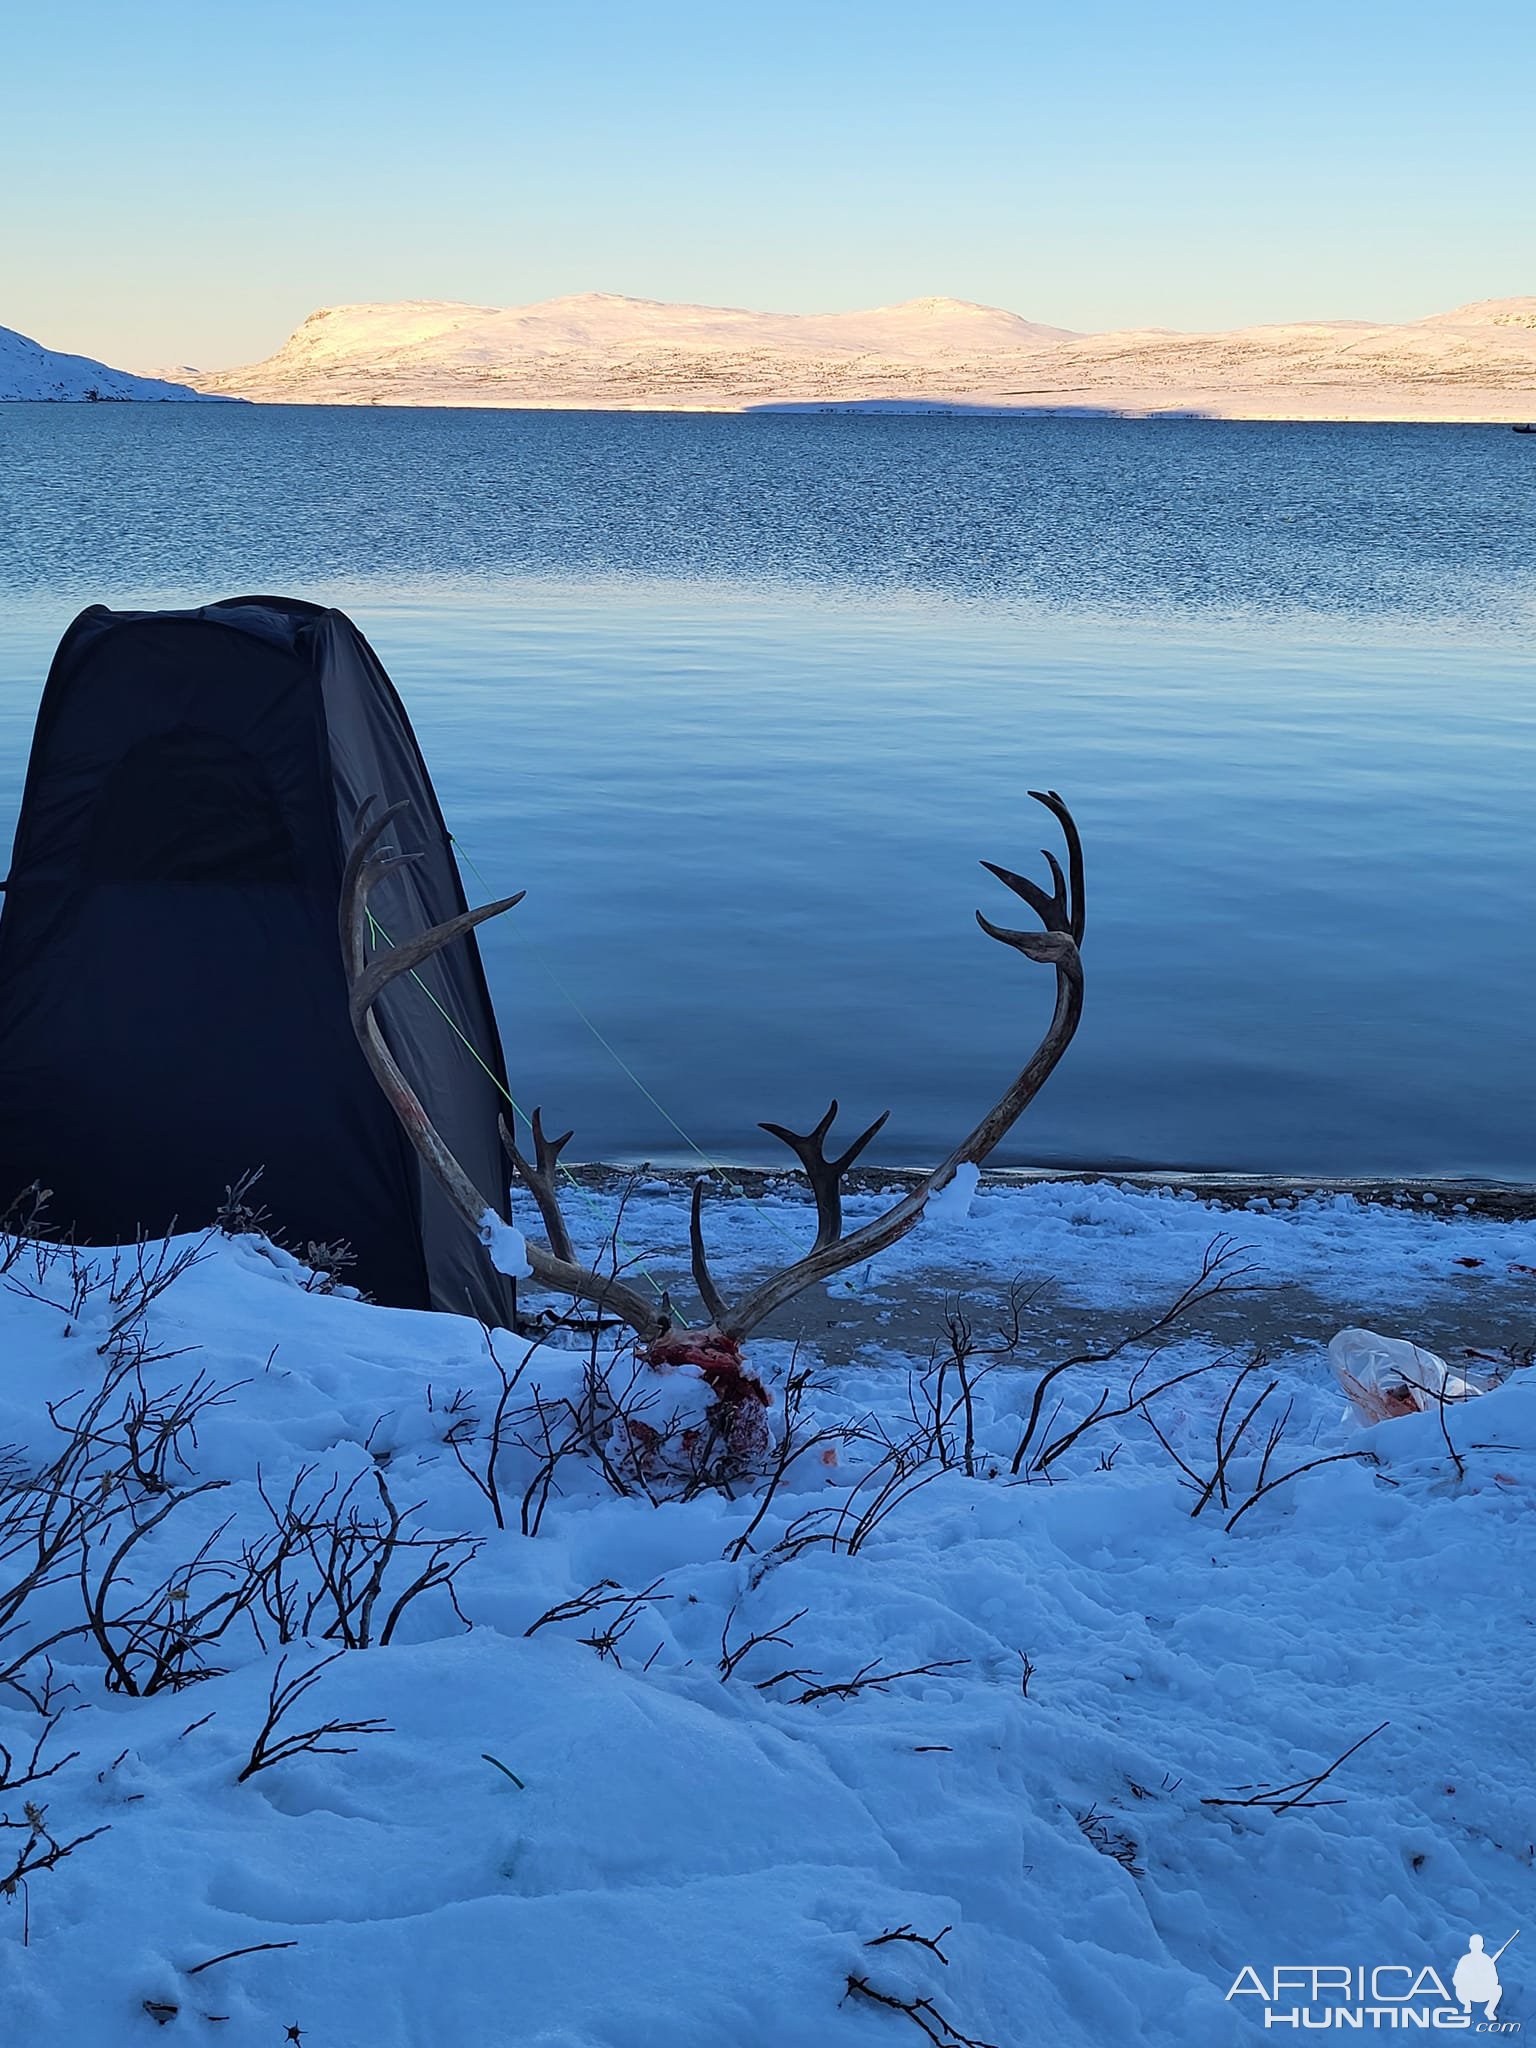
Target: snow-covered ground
[(30, 371), (599, 350), (627, 1823)]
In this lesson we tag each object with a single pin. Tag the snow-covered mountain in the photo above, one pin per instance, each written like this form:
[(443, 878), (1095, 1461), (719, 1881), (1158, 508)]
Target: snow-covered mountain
[(28, 370), (600, 351), (445, 336)]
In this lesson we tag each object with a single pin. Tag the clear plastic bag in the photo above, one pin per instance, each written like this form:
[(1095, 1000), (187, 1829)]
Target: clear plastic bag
[(1387, 1376)]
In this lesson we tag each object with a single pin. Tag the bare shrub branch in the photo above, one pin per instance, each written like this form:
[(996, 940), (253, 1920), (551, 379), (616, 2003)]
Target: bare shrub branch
[(1110, 1841), (1221, 1272), (906, 1933), (42, 1850), (1288, 1798), (922, 2012), (606, 1596), (731, 1658), (257, 1948), (869, 1679), (1312, 1464), (338, 1569), (271, 1748), (462, 1437)]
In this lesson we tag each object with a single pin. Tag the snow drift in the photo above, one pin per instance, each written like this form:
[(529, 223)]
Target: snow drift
[(999, 1752)]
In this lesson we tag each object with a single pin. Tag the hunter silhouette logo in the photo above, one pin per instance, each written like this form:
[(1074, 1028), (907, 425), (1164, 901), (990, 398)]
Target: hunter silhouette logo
[(1476, 1977), (1361, 1997)]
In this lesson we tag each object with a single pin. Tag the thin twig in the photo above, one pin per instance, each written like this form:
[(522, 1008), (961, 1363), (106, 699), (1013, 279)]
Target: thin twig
[(256, 1948)]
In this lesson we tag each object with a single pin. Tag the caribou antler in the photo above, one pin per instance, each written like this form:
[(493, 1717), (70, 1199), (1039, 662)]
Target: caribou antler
[(538, 1177), (366, 982), (1060, 911), (825, 1175)]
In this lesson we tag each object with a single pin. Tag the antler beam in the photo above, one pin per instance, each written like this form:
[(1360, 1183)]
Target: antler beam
[(366, 982), (1061, 912)]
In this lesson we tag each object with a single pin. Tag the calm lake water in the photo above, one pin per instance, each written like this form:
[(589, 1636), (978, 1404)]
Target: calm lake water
[(742, 701)]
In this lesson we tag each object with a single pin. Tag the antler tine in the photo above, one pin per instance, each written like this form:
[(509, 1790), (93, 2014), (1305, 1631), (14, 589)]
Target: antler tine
[(538, 1177), (365, 867), (1052, 911), (408, 954), (703, 1279), (352, 905), (825, 1175), (1058, 879), (365, 983), (1064, 818), (1049, 948)]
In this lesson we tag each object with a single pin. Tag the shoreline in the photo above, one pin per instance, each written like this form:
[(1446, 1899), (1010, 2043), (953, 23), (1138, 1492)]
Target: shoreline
[(1445, 1263), (1485, 408), (1513, 1201), (1504, 410)]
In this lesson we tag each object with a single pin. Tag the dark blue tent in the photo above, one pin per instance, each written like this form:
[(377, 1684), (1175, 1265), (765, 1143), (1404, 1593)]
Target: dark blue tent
[(173, 1007)]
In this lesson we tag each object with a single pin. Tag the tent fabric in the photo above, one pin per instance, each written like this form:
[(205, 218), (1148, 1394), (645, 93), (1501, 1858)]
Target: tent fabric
[(172, 1001)]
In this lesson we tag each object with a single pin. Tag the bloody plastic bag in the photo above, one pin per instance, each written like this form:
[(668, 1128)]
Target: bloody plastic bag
[(1387, 1376)]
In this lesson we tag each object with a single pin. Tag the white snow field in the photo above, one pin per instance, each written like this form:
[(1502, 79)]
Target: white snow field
[(601, 351), (987, 1709), (30, 371)]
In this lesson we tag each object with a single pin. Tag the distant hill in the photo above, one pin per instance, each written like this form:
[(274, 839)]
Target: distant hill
[(431, 335), (599, 351), (30, 371), (1487, 313)]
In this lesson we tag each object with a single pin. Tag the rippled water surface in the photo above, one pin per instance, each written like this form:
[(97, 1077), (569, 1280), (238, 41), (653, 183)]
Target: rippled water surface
[(741, 702)]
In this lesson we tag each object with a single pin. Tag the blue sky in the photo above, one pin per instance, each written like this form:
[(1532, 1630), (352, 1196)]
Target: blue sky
[(186, 182)]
